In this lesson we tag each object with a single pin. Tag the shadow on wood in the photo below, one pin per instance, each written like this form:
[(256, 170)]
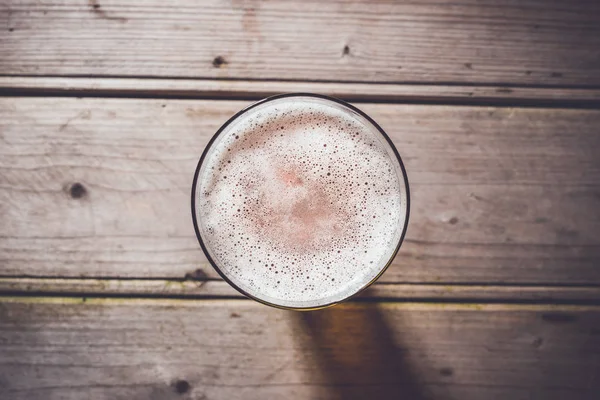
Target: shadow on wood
[(356, 355)]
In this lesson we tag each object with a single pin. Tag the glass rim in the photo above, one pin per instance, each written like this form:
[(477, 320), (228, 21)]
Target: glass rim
[(241, 113)]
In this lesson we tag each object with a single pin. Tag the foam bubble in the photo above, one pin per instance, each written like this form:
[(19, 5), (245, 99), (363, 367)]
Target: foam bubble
[(300, 202)]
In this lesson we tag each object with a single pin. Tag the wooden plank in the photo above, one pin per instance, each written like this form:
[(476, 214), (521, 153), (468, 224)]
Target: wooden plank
[(254, 90), (202, 288), (123, 287), (521, 42), (163, 349), (100, 188)]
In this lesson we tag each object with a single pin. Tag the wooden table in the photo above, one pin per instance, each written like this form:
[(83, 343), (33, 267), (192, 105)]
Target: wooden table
[(106, 105)]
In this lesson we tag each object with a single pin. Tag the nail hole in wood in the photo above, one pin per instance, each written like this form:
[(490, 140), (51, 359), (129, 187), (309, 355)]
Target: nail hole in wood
[(77, 191), (219, 61), (181, 386), (196, 275)]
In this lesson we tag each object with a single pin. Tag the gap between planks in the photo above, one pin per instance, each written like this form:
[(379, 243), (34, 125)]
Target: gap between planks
[(456, 94), (217, 289), (408, 305)]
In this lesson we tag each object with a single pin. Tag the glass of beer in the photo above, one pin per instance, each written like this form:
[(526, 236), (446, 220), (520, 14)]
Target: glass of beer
[(300, 201)]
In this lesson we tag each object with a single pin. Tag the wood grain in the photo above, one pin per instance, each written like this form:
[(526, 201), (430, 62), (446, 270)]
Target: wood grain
[(255, 90), (201, 288), (100, 188), (167, 349), (520, 42)]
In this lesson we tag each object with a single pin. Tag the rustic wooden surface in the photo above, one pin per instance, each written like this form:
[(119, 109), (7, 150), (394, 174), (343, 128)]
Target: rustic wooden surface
[(522, 42), (106, 105), (169, 349), (100, 188)]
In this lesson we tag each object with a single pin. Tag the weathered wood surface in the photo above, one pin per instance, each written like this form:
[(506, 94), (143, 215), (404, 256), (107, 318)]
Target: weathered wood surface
[(100, 188), (254, 90), (200, 288), (520, 42), (236, 349)]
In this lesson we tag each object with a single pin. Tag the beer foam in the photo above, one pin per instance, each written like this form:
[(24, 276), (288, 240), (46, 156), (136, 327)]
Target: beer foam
[(300, 201)]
